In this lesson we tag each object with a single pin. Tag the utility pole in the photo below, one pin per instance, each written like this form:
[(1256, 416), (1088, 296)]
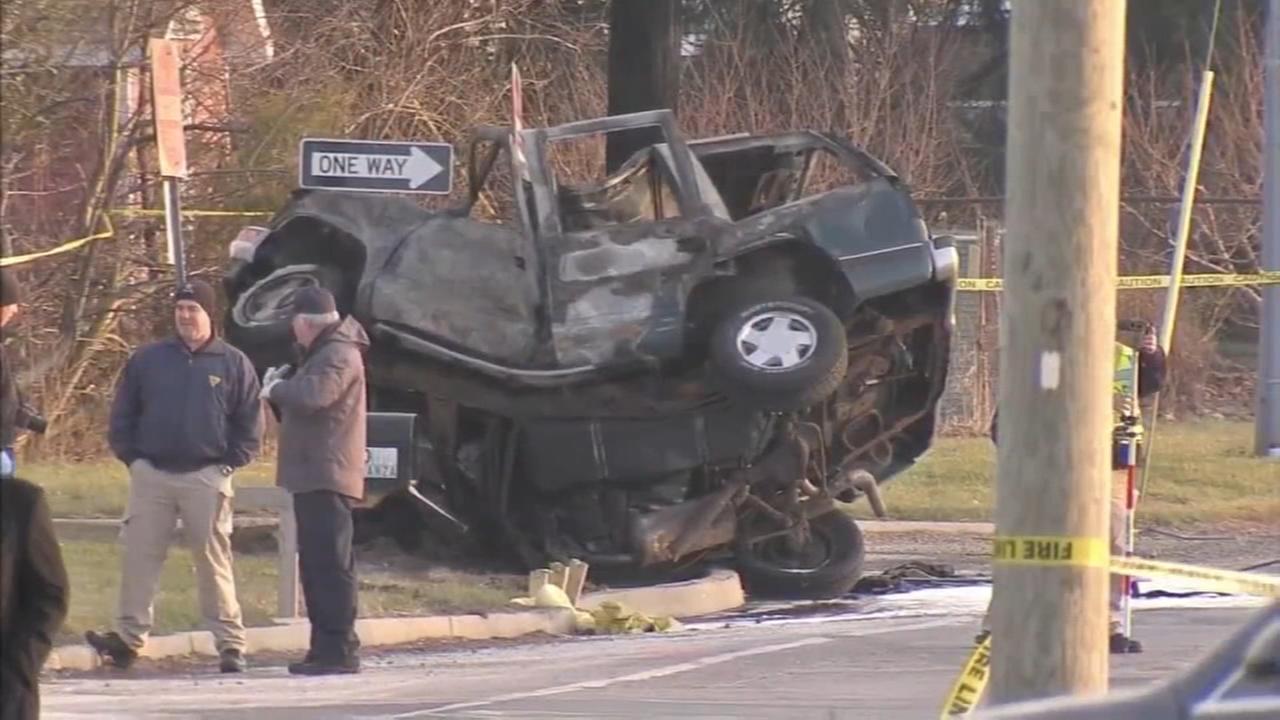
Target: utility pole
[(644, 68), (1049, 610), (1268, 422)]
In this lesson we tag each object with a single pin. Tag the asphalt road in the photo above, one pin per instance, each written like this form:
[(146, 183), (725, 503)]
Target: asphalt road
[(875, 660)]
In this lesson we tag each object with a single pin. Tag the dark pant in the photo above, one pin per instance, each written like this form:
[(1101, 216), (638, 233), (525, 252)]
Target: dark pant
[(328, 573), (19, 695)]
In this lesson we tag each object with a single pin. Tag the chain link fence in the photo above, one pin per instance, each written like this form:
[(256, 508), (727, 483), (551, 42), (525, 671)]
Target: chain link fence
[(970, 397)]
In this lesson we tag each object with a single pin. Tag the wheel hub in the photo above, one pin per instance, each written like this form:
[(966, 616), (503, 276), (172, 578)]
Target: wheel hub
[(272, 299), (777, 340)]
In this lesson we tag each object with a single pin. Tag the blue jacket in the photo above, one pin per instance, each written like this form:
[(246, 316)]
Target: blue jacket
[(184, 410)]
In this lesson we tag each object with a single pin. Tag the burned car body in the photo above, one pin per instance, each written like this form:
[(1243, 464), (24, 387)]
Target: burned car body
[(701, 350)]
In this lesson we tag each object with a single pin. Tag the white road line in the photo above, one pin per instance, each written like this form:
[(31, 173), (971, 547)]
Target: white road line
[(670, 669)]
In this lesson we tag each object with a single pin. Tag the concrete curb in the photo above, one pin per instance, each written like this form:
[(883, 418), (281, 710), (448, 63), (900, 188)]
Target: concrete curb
[(720, 591)]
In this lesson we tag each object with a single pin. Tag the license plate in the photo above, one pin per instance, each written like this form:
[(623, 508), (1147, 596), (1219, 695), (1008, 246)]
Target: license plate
[(381, 462)]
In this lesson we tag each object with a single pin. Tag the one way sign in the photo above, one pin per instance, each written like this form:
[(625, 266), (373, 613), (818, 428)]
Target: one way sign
[(376, 166)]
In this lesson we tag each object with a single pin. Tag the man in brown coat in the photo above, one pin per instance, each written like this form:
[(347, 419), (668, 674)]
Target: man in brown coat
[(321, 463)]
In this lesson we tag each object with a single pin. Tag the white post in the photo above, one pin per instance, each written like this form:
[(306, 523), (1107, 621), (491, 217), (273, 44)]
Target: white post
[(288, 596)]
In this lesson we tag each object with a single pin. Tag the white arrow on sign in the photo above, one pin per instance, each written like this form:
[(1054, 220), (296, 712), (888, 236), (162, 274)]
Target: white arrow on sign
[(417, 167)]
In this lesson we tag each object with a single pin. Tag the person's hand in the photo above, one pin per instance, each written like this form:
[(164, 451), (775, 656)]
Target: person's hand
[(1149, 341), (267, 387), (273, 374)]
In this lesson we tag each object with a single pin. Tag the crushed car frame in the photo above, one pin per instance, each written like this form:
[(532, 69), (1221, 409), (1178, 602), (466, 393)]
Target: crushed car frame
[(700, 351)]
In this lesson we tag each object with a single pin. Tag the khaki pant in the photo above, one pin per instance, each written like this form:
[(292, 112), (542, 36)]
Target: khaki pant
[(1119, 530), (157, 499)]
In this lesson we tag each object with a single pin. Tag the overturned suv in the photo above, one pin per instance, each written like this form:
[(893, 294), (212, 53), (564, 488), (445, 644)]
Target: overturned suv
[(697, 353)]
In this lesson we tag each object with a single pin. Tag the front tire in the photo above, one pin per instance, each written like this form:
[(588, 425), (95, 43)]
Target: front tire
[(779, 355), (259, 321), (826, 565)]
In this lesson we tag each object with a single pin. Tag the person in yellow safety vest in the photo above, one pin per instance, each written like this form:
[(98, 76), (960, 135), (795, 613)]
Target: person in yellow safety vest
[(1149, 376)]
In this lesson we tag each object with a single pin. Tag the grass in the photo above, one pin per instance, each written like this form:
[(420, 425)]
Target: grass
[(1202, 472), (94, 570), (100, 489)]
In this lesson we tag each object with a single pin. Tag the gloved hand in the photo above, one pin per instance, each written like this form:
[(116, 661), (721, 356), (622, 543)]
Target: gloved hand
[(272, 377), (266, 390), (274, 373)]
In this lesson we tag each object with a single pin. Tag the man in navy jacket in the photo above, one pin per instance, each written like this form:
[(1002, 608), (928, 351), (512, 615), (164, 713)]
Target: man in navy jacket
[(186, 415)]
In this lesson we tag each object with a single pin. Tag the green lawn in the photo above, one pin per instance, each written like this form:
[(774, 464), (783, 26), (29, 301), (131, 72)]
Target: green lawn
[(94, 570), (1201, 472), (100, 489)]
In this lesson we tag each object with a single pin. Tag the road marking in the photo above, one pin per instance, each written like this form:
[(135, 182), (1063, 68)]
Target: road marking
[(670, 669)]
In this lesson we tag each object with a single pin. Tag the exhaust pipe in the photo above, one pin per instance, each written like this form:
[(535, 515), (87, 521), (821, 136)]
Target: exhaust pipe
[(864, 481)]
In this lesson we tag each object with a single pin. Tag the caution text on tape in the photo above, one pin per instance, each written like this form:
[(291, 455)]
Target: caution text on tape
[(968, 688), (1144, 282), (1207, 579)]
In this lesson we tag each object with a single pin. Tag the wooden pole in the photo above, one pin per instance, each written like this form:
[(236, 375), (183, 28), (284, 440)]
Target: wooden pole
[(644, 68), (1049, 610)]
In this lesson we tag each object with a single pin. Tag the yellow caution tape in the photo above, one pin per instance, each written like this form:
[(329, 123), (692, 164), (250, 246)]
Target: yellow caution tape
[(968, 688), (1051, 550), (1144, 282), (1207, 579), (1090, 552), (138, 212), (65, 247)]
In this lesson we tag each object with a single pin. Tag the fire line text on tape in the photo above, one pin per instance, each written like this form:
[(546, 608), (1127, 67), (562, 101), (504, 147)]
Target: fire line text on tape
[(1051, 550), (968, 688)]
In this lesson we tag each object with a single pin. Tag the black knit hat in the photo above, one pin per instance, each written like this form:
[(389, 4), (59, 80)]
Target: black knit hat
[(312, 300), (10, 290), (202, 293)]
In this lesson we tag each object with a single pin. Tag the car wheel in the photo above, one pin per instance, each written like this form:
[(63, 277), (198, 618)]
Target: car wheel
[(259, 320), (779, 355), (827, 564)]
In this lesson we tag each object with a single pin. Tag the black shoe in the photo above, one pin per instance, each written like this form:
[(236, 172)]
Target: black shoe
[(232, 661), (112, 649), (977, 639), (346, 666), (1122, 644)]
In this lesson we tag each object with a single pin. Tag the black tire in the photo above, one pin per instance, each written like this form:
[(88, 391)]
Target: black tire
[(258, 321), (777, 383), (828, 566)]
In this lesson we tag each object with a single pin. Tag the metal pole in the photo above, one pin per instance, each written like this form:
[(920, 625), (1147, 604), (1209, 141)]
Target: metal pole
[(173, 229), (1057, 326), (1184, 211), (1268, 421)]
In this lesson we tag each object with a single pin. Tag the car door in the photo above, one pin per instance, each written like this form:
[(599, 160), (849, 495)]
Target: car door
[(620, 254)]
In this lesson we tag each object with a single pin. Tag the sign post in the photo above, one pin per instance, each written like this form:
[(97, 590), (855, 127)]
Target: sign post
[(376, 166), (171, 148)]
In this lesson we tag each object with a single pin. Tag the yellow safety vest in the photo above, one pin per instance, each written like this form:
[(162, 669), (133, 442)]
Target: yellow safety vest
[(1124, 387)]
